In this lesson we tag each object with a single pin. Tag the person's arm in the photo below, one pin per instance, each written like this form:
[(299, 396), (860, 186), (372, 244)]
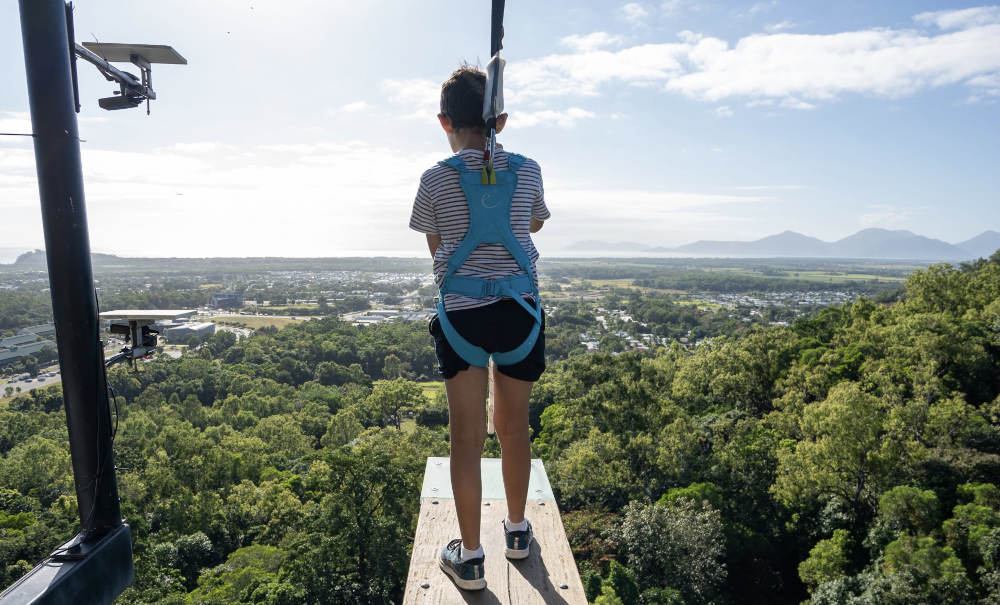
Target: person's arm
[(433, 241), (423, 217), (539, 211)]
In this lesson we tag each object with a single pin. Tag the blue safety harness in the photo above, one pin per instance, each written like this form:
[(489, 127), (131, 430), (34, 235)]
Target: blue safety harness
[(489, 200)]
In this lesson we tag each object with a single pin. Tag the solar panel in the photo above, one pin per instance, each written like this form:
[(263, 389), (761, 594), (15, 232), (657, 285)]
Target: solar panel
[(149, 314), (152, 53)]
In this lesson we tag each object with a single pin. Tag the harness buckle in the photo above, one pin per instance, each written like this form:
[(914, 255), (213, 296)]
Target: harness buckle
[(493, 287)]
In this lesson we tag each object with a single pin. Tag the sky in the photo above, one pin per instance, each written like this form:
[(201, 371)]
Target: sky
[(301, 128)]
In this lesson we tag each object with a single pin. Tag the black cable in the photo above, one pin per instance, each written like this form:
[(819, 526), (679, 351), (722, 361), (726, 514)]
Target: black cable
[(32, 135)]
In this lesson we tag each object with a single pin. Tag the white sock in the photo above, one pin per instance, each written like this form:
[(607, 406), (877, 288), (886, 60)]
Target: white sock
[(511, 526), (467, 554)]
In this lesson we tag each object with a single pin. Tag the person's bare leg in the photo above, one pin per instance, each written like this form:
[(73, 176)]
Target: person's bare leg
[(510, 416), (467, 426)]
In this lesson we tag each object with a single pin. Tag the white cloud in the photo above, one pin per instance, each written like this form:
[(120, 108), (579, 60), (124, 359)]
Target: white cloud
[(673, 7), (564, 119), (16, 123), (762, 7), (314, 199), (793, 103), (591, 42), (635, 13), (196, 148), (961, 19), (768, 187), (280, 199), (355, 106), (586, 73), (796, 70), (723, 112), (780, 27), (417, 98), (987, 88)]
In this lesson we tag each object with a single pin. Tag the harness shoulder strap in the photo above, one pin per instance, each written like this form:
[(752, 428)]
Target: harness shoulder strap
[(515, 161), (455, 162)]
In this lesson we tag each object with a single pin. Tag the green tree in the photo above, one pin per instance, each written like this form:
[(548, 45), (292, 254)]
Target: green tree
[(344, 426), (680, 547), (392, 368), (622, 580), (194, 552), (910, 508), (389, 398), (593, 471), (919, 570), (608, 596), (843, 453), (827, 561)]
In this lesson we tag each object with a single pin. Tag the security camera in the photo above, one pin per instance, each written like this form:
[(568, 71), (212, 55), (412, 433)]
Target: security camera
[(136, 327)]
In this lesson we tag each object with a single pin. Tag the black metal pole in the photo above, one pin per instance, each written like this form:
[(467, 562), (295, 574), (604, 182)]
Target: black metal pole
[(496, 27), (67, 245)]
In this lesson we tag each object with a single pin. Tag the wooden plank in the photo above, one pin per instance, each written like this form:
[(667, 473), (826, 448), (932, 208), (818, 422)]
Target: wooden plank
[(549, 575)]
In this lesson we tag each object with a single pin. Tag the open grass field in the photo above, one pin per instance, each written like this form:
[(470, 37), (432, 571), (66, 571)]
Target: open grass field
[(701, 304), (611, 283), (840, 277), (280, 308), (834, 277), (253, 322), (598, 286), (431, 389)]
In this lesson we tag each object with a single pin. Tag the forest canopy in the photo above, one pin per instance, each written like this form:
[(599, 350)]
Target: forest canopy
[(849, 457)]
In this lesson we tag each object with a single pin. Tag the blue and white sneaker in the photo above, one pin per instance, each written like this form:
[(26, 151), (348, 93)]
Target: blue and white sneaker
[(518, 542), (469, 575)]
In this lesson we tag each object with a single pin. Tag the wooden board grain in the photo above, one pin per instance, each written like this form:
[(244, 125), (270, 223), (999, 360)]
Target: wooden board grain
[(538, 579)]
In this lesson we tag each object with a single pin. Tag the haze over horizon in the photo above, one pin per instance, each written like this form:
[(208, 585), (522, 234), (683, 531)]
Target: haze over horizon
[(657, 122)]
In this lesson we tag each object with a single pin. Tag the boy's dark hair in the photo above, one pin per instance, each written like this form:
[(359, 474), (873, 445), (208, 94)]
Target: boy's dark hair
[(462, 97)]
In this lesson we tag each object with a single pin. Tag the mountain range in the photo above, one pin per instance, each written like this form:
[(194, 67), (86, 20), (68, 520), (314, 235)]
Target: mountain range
[(867, 243)]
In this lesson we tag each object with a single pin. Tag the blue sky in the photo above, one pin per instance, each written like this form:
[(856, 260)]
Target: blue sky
[(301, 128)]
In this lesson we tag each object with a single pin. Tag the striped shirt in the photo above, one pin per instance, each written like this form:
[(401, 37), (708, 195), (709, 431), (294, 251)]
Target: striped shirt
[(440, 207)]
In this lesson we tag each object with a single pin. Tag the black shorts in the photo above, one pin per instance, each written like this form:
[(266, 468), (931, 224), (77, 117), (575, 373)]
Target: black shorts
[(498, 327)]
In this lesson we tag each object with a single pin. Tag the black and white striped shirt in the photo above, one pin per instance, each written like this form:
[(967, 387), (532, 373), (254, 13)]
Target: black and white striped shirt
[(440, 207)]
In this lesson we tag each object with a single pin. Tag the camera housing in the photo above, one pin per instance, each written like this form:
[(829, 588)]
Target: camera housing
[(136, 326)]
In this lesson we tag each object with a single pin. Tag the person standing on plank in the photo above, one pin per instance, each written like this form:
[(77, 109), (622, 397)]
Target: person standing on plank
[(478, 224)]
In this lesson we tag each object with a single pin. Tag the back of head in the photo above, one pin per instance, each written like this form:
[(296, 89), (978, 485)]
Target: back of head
[(462, 97)]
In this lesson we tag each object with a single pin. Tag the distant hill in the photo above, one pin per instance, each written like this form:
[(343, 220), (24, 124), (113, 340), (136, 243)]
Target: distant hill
[(29, 260), (883, 243), (981, 246), (8, 255), (867, 243), (786, 243), (36, 260)]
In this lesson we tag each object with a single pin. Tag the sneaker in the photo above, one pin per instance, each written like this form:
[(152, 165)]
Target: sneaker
[(469, 575), (518, 542)]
